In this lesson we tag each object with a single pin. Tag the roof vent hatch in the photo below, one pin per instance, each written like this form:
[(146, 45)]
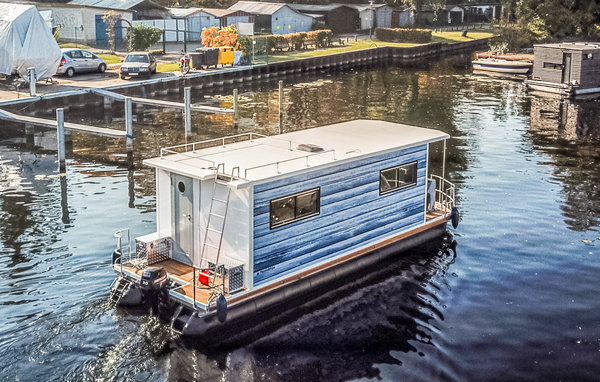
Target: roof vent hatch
[(309, 147)]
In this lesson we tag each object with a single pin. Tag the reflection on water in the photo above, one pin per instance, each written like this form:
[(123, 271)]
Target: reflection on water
[(518, 302), (573, 126)]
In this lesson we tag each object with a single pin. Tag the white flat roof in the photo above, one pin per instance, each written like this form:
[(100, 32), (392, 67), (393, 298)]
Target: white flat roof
[(263, 159)]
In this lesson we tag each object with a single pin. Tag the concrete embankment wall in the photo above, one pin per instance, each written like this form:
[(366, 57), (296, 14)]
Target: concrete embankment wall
[(229, 77)]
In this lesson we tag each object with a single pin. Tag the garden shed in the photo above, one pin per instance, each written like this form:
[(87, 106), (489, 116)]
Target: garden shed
[(274, 18), (339, 18)]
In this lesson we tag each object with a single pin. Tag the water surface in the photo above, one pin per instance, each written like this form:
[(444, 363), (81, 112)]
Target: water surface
[(519, 301)]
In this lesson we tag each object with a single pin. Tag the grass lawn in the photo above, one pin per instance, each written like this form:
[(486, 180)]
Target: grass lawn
[(72, 45), (168, 67), (110, 58), (455, 36), (447, 37), (348, 47)]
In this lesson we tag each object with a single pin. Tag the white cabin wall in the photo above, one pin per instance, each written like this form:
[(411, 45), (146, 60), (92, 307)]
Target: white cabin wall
[(238, 231), (163, 202), (197, 192)]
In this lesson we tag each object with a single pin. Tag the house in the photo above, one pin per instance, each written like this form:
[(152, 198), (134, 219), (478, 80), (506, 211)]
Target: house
[(82, 20), (384, 16), (482, 12), (339, 18), (450, 14), (197, 19), (275, 18), (566, 68)]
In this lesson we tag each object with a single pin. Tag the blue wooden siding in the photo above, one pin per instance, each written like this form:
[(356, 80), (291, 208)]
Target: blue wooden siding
[(285, 21), (352, 212)]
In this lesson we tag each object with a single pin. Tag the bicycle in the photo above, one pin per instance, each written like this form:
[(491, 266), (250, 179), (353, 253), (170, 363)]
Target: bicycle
[(184, 64)]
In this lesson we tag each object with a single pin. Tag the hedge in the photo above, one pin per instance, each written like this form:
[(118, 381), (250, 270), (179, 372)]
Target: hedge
[(403, 35), (294, 41)]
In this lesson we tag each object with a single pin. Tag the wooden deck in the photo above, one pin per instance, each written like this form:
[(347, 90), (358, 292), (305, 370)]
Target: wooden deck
[(436, 213), (183, 273)]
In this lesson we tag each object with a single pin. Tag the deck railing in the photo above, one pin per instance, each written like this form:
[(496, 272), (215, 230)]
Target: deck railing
[(444, 194), (124, 257)]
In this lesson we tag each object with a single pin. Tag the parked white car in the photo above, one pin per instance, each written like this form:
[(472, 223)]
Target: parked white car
[(79, 61)]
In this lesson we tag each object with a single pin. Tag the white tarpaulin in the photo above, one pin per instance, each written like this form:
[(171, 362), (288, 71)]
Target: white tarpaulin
[(25, 41)]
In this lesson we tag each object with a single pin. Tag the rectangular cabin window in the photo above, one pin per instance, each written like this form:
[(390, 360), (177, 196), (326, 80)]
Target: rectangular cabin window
[(396, 178), (291, 208), (551, 65)]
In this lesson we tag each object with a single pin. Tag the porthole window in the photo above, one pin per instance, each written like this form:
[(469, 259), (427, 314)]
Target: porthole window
[(396, 178), (291, 208), (181, 187)]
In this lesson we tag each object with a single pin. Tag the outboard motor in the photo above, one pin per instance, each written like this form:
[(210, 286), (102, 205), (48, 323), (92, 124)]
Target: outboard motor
[(154, 280)]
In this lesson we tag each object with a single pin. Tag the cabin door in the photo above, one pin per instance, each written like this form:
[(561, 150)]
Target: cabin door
[(566, 72), (182, 218)]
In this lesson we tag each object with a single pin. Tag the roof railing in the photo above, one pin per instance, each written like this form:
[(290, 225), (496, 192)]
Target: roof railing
[(305, 157), (194, 145)]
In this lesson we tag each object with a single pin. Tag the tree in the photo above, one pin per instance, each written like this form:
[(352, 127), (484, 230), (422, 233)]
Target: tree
[(142, 37), (561, 19), (111, 18)]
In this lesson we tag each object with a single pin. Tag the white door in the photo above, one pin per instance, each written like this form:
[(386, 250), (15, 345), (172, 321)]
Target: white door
[(182, 218)]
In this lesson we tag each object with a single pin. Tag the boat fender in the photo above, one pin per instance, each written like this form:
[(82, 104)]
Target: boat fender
[(454, 216), (222, 308), (116, 256)]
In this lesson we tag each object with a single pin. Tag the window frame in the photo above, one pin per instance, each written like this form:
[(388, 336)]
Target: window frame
[(397, 188), (297, 216), (552, 66)]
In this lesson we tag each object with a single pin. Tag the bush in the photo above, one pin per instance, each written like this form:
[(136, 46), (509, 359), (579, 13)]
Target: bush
[(215, 37), (403, 35), (142, 37), (295, 41)]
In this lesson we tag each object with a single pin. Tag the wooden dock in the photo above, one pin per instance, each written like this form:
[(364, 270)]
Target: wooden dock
[(5, 115), (161, 103)]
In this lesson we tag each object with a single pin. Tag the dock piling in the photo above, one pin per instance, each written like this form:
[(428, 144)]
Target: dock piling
[(235, 108), (29, 135), (32, 81), (129, 123), (187, 111), (60, 136), (280, 106)]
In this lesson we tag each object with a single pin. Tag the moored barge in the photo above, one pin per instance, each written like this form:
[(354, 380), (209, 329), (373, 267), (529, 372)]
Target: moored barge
[(250, 222)]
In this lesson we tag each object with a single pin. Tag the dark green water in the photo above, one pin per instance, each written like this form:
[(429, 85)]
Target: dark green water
[(518, 302)]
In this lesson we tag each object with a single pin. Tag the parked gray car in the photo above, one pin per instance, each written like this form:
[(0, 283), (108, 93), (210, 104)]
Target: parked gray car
[(138, 64), (79, 61)]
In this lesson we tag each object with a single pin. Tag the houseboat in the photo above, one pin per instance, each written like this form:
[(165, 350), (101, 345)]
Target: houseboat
[(249, 222), (569, 69)]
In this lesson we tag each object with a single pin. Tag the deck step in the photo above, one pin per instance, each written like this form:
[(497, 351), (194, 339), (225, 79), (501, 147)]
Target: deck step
[(211, 245), (213, 230), (217, 215), (220, 200), (181, 317)]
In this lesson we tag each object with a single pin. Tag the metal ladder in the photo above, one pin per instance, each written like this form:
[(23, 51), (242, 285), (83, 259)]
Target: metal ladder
[(215, 225), (120, 287)]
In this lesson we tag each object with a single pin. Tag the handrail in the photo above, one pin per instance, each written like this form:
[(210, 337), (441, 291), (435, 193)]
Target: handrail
[(170, 149), (445, 193), (288, 160), (119, 235)]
